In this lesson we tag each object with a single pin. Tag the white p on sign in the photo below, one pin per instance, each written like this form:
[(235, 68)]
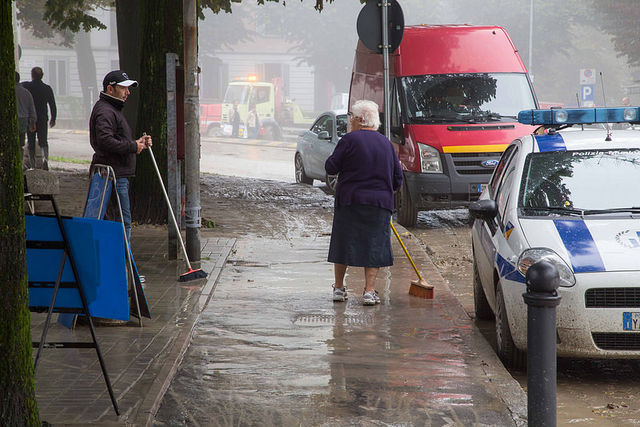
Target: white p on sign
[(586, 92), (588, 76)]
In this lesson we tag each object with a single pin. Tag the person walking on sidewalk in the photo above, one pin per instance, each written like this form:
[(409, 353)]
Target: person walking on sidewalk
[(42, 96), (112, 140), (368, 173), (26, 114)]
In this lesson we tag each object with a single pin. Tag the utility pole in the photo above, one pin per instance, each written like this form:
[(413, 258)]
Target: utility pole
[(384, 26), (191, 131)]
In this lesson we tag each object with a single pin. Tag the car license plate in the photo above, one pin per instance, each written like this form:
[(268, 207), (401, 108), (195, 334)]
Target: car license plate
[(478, 188), (631, 321)]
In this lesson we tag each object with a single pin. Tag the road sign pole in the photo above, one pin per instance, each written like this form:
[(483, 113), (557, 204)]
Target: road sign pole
[(385, 60)]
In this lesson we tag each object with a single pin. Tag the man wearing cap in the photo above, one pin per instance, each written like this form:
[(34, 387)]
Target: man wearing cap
[(112, 139)]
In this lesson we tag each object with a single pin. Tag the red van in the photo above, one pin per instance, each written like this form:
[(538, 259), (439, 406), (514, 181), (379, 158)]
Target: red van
[(455, 95)]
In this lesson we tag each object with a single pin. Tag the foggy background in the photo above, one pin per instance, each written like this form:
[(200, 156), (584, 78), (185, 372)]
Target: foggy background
[(313, 52)]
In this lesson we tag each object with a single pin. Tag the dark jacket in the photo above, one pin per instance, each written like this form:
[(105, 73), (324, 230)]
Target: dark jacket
[(42, 95), (369, 170), (111, 137)]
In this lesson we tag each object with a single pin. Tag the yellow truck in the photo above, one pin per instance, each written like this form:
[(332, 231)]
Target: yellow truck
[(274, 111)]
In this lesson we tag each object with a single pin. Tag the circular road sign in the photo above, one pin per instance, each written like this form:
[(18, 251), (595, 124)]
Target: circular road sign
[(370, 29)]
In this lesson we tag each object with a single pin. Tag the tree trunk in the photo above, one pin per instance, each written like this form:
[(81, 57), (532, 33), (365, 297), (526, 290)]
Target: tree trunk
[(162, 30), (127, 18), (86, 72), (17, 388)]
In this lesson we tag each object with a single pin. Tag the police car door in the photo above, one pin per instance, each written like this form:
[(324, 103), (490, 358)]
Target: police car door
[(490, 230), (504, 240)]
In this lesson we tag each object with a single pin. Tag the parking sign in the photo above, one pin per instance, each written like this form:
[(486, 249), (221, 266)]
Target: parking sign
[(586, 96)]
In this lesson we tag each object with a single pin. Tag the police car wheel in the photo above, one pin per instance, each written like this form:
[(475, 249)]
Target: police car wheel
[(480, 303), (506, 349)]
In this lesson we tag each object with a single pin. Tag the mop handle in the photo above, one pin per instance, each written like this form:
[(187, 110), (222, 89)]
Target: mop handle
[(406, 252), (173, 218)]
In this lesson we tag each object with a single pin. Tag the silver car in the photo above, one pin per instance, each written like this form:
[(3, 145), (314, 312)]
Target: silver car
[(316, 145)]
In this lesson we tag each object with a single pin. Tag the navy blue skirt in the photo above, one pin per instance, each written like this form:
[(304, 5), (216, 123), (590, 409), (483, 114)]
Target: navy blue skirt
[(361, 236)]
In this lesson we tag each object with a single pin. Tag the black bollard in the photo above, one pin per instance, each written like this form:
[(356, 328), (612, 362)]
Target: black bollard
[(541, 298)]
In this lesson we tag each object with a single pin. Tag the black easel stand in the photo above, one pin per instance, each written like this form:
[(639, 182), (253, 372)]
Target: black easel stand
[(84, 310)]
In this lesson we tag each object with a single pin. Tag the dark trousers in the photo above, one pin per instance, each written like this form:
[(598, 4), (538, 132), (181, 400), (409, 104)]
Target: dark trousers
[(42, 127)]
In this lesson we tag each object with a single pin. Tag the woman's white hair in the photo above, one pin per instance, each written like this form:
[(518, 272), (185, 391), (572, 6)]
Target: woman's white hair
[(367, 111)]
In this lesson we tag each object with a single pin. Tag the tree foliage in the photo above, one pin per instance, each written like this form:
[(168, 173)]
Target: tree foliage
[(17, 389), (225, 5), (620, 19)]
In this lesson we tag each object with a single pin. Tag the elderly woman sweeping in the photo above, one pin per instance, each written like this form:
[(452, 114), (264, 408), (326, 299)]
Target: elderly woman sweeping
[(369, 173)]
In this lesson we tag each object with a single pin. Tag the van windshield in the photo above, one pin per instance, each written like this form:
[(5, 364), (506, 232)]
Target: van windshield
[(466, 98)]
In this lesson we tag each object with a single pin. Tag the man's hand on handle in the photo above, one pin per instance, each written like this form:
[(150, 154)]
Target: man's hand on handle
[(143, 142)]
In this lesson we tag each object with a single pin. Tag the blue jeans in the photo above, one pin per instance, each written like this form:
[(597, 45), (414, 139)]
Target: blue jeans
[(122, 185)]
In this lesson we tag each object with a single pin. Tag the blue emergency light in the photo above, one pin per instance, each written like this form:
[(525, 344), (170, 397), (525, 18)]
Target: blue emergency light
[(576, 116)]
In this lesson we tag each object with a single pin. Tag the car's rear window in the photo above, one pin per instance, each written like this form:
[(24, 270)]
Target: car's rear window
[(593, 179)]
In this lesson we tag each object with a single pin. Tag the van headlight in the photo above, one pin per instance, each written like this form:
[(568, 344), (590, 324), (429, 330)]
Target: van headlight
[(533, 255), (429, 159)]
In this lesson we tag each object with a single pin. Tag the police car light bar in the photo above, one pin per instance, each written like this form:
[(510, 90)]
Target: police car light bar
[(573, 116)]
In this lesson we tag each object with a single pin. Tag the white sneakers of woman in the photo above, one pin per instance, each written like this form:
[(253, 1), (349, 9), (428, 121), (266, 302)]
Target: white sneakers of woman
[(370, 298), (339, 294)]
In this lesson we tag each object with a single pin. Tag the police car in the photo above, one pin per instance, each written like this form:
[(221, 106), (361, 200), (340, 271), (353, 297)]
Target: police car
[(570, 197)]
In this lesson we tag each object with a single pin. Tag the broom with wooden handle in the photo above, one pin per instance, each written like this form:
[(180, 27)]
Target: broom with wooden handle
[(419, 288), (191, 274)]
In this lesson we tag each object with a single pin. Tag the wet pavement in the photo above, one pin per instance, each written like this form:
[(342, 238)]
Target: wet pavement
[(140, 361), (271, 348)]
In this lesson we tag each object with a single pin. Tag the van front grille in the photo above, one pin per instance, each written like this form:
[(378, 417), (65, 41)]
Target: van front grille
[(612, 298), (471, 163), (617, 340)]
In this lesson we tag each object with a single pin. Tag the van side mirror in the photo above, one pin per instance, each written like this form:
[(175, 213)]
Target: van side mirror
[(485, 209), (324, 135)]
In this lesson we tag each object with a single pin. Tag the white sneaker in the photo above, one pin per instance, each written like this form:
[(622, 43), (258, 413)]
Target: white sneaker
[(339, 294), (370, 298)]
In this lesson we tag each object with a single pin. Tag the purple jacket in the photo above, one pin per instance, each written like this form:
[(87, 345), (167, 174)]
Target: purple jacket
[(369, 170)]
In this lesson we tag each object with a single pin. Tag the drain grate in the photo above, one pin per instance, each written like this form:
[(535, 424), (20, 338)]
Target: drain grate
[(332, 319)]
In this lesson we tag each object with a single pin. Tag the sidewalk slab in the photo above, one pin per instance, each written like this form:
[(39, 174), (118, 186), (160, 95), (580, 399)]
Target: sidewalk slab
[(141, 361), (271, 348)]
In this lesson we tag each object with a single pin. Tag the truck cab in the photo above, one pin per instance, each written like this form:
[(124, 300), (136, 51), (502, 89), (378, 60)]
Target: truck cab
[(455, 95), (248, 92)]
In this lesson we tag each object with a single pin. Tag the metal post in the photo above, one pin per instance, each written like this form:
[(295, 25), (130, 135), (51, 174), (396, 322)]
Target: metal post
[(173, 176), (191, 130), (542, 299), (385, 60)]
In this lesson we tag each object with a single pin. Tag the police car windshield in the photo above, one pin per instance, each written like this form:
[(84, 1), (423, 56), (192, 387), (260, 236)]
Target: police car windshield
[(591, 181), (466, 98)]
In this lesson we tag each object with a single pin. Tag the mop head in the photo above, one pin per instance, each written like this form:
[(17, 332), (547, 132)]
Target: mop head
[(421, 289), (192, 275)]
